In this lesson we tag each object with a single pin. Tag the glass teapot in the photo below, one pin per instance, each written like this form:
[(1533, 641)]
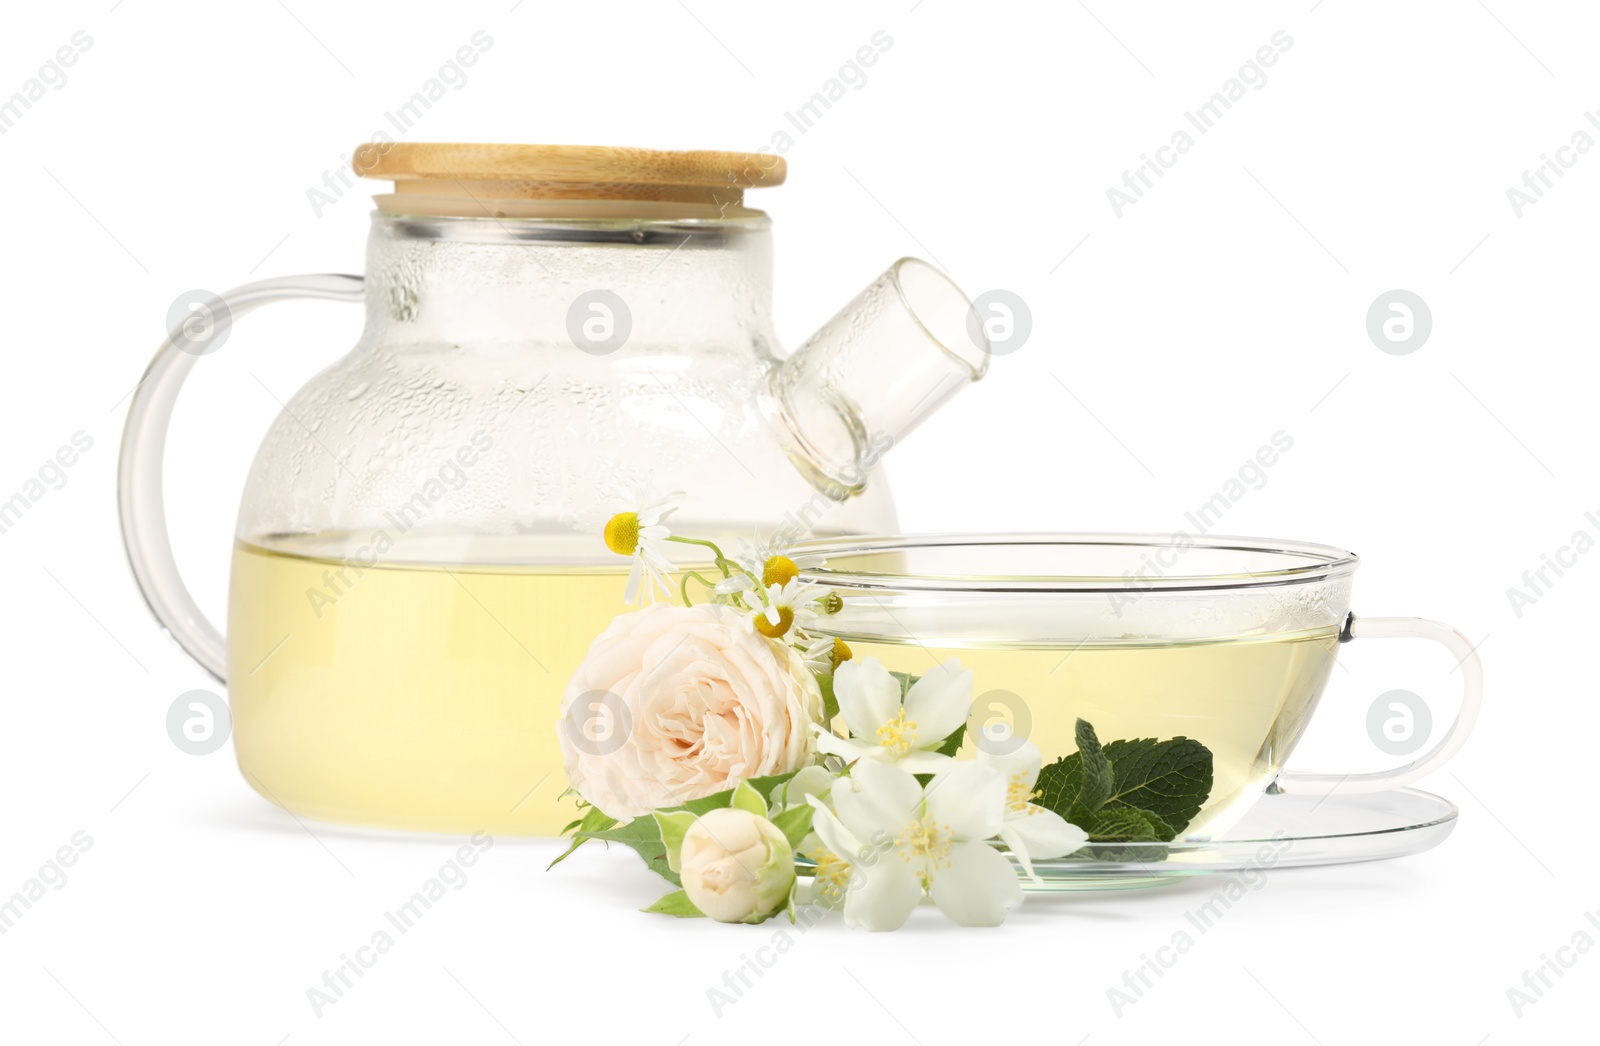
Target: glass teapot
[(552, 333)]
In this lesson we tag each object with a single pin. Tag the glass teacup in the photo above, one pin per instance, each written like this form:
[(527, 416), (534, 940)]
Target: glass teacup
[(1228, 641)]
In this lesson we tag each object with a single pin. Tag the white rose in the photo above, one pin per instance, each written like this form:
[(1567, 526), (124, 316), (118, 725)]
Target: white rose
[(674, 703), (736, 866)]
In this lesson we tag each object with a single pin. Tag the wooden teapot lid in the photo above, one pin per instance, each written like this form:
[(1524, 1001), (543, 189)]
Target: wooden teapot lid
[(478, 172)]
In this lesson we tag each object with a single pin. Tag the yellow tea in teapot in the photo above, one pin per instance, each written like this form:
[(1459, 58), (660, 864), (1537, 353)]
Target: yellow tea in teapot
[(545, 326), (408, 694)]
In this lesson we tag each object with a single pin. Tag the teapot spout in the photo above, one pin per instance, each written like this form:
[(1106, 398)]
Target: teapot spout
[(898, 352)]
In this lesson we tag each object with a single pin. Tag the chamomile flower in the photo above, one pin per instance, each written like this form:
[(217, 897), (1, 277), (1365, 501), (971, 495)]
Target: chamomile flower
[(734, 585), (771, 568), (824, 654), (780, 569), (640, 534), (788, 605)]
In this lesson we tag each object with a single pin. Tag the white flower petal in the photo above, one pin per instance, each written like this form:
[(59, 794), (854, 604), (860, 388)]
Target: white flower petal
[(1019, 850), (848, 749), (631, 593), (810, 781), (940, 701), (969, 798), (917, 761), (1044, 833), (834, 835), (653, 510), (882, 894), (978, 887), (823, 899), (868, 695), (876, 801), (656, 574), (1013, 757)]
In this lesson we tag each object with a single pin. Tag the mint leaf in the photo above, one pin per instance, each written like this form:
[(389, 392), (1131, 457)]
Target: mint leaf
[(1118, 835), (676, 904), (1171, 779), (1127, 825), (1138, 791), (1058, 783), (1094, 783), (1077, 786)]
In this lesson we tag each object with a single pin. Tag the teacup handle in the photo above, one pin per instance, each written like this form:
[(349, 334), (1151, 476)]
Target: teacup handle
[(139, 475), (1441, 753)]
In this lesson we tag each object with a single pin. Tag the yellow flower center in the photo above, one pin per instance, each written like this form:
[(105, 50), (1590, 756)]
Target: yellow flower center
[(898, 735), (1018, 796), (841, 653), (771, 631), (779, 570), (832, 603), (928, 843), (832, 873), (622, 533)]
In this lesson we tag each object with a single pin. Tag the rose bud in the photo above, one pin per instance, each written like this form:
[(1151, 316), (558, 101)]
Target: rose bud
[(736, 866)]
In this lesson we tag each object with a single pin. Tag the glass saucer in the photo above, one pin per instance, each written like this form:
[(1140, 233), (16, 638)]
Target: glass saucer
[(1278, 831)]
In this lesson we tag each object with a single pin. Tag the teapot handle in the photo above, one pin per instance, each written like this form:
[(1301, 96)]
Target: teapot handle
[(139, 470)]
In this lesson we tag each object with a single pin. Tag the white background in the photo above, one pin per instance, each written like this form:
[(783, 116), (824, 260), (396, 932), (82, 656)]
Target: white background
[(1168, 344)]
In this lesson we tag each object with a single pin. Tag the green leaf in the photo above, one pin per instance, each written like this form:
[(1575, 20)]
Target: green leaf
[(1126, 835), (1077, 786), (1094, 783), (1058, 783), (765, 785), (1135, 791), (673, 825), (592, 821), (1171, 779), (746, 798), (952, 744), (1127, 825), (906, 679), (830, 700), (795, 823), (676, 904), (643, 835)]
